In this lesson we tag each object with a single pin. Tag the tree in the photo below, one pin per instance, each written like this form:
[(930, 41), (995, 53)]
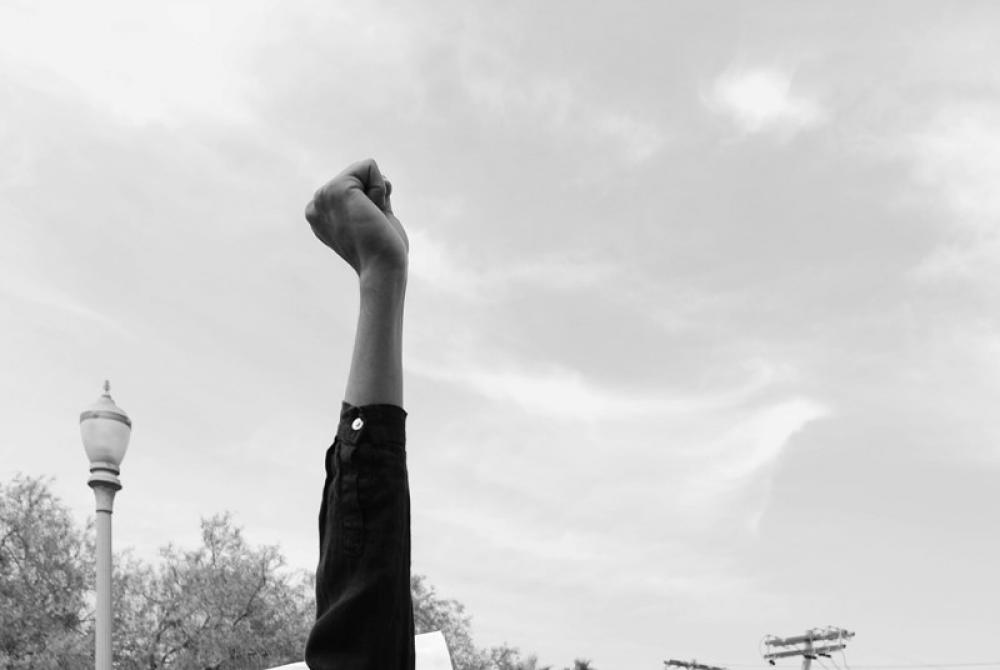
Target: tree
[(431, 613), (506, 657), (531, 663), (223, 606), (46, 575)]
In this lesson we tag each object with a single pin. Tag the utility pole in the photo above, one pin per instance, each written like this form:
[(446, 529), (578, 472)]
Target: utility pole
[(690, 665), (804, 646)]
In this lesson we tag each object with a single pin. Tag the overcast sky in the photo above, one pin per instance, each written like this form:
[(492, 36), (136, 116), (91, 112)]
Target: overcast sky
[(703, 334)]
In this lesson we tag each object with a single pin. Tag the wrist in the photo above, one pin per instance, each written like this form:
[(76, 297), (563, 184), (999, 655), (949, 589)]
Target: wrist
[(383, 278)]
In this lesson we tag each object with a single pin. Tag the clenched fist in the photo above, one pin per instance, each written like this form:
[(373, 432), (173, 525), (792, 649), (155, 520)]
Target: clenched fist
[(352, 215)]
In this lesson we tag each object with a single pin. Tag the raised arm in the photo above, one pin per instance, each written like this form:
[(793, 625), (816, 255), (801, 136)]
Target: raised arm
[(352, 215), (364, 610)]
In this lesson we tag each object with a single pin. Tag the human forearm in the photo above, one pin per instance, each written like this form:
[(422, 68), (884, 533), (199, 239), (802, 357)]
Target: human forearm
[(352, 214), (376, 375)]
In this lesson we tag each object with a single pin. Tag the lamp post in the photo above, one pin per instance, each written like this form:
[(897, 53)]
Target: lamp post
[(105, 429)]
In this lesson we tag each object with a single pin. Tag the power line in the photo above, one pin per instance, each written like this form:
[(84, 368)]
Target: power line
[(977, 664), (981, 664), (690, 665)]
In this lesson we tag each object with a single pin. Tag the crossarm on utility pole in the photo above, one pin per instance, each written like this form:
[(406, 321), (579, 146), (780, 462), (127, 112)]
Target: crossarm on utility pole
[(810, 637), (815, 651)]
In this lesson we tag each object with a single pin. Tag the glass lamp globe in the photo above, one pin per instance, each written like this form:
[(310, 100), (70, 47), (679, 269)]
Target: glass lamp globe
[(105, 429)]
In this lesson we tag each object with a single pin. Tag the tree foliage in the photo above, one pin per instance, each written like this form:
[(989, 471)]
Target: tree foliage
[(224, 605), (431, 613), (46, 575)]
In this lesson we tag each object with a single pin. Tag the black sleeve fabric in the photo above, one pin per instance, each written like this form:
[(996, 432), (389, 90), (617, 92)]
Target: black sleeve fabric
[(364, 613)]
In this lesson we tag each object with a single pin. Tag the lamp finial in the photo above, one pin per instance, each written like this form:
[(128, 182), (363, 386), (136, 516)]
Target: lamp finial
[(107, 387)]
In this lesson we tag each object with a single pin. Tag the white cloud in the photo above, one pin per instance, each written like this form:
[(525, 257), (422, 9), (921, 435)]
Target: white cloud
[(143, 62), (958, 154), (17, 168), (765, 434), (435, 264), (749, 448), (638, 139), (502, 90), (432, 263), (760, 100), (555, 392), (23, 278), (563, 393), (956, 160), (564, 271), (723, 442), (540, 541), (57, 301), (602, 561)]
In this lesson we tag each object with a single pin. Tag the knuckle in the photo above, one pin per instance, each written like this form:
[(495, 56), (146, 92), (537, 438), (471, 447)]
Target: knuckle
[(337, 189), (320, 193), (328, 193), (311, 214)]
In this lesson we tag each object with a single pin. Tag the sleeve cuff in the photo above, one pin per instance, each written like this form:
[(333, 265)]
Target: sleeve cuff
[(372, 423)]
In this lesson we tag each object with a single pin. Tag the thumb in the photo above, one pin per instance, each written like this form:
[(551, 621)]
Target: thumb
[(388, 194), (375, 186), (369, 177), (377, 194)]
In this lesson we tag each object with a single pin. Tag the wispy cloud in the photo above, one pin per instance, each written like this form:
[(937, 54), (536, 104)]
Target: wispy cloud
[(636, 138), (559, 106), (955, 160), (559, 392), (761, 100), (746, 451), (57, 302), (434, 264), (764, 435), (555, 392), (539, 541), (441, 267), (723, 441), (601, 560), (142, 63)]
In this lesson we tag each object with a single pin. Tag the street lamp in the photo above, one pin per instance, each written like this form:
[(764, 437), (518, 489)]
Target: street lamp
[(105, 429)]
